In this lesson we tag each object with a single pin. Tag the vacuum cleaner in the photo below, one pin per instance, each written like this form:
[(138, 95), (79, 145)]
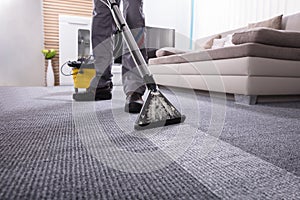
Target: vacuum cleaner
[(157, 110)]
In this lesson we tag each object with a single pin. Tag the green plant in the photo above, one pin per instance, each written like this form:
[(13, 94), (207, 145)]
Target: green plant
[(49, 53)]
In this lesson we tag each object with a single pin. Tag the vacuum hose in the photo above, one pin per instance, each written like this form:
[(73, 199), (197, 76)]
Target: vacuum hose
[(132, 46)]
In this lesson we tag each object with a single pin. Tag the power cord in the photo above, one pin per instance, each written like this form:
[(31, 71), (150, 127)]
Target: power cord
[(61, 70)]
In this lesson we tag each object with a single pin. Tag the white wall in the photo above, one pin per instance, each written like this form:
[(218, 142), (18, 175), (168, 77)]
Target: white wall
[(292, 6), (21, 39), (214, 16), (170, 14)]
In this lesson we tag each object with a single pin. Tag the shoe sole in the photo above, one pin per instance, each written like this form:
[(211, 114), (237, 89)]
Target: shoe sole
[(133, 107), (80, 97)]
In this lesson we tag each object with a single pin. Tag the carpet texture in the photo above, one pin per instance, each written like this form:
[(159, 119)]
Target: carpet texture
[(54, 148)]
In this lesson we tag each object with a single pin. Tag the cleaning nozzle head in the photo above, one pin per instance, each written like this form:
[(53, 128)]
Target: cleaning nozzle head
[(158, 111)]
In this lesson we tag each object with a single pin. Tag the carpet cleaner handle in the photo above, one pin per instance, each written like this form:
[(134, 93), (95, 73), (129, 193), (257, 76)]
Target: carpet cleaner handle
[(132, 46)]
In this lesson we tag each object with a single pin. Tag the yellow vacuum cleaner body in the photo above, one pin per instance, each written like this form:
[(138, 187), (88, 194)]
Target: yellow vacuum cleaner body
[(82, 77), (82, 71)]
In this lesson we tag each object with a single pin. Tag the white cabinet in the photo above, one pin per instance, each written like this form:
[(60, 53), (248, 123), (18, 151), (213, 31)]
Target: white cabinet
[(69, 27)]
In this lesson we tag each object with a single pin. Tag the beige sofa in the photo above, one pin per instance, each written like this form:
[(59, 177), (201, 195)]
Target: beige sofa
[(248, 70)]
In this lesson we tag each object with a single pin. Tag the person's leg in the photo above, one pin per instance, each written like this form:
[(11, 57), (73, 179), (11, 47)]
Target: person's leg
[(133, 84), (102, 44), (134, 16)]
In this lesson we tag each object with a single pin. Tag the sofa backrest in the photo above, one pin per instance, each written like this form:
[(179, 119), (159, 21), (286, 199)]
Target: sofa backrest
[(291, 22), (199, 43)]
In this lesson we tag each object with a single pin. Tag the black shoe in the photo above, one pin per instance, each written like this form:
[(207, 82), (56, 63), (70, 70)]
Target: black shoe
[(134, 103), (94, 94)]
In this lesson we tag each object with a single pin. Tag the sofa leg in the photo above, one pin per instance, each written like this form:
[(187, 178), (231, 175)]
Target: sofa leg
[(245, 99)]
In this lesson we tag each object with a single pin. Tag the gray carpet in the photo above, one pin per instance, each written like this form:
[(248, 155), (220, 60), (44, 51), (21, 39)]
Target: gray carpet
[(54, 148)]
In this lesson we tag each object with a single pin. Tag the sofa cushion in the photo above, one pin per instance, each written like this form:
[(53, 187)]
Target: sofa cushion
[(167, 51), (237, 51), (274, 23), (291, 22), (223, 42), (268, 36), (209, 43), (218, 43), (228, 41)]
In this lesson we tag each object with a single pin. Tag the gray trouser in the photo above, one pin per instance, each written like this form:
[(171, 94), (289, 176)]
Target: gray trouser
[(103, 27)]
